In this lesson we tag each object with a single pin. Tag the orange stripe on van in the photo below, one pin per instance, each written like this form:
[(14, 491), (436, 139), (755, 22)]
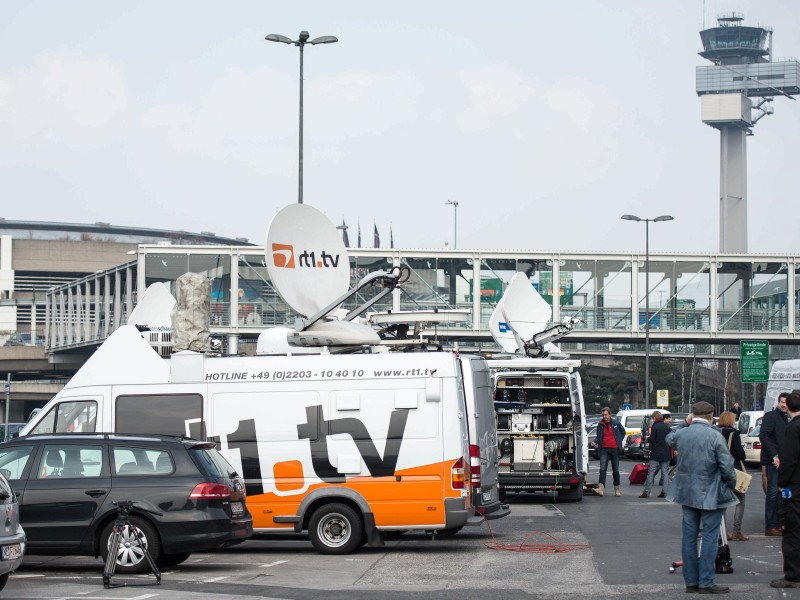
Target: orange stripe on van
[(416, 499)]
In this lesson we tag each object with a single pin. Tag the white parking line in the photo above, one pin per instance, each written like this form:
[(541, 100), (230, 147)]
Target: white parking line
[(279, 562), (215, 579), (74, 594)]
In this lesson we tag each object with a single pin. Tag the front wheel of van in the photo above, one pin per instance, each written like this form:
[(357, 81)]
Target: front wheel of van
[(335, 529)]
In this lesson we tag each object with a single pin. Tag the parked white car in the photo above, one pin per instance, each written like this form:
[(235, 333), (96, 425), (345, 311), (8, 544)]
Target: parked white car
[(752, 445), (748, 420)]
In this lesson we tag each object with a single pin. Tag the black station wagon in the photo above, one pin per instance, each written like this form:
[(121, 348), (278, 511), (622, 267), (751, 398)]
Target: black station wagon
[(186, 496)]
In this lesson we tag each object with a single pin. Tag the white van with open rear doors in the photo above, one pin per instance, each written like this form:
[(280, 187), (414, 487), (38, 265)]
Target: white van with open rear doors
[(538, 401)]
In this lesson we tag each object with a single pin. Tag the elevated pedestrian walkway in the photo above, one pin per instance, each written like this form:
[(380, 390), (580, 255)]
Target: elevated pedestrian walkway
[(695, 300)]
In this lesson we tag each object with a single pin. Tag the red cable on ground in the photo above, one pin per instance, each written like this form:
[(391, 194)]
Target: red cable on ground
[(556, 547)]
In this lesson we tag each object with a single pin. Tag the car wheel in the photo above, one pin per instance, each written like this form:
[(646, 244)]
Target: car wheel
[(170, 560), (335, 529), (3, 580), (130, 555)]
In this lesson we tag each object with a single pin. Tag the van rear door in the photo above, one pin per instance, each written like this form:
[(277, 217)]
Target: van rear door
[(581, 437), (484, 457)]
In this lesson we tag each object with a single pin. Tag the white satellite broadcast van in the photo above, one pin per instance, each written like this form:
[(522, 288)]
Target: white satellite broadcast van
[(483, 448), (538, 401), (784, 376), (334, 434)]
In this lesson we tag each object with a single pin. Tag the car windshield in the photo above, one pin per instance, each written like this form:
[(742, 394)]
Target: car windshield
[(756, 431)]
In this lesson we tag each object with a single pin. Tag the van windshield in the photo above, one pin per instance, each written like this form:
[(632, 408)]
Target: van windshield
[(634, 422)]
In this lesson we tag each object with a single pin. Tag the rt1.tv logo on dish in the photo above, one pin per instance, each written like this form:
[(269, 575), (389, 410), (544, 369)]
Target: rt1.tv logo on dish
[(283, 257)]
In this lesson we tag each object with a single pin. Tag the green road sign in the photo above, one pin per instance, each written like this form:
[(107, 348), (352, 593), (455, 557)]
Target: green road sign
[(755, 361)]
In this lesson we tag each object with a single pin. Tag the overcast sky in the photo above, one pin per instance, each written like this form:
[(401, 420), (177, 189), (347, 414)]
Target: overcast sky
[(545, 121)]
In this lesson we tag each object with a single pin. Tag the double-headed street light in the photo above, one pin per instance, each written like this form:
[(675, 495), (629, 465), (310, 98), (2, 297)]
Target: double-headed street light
[(455, 221), (647, 298), (300, 42)]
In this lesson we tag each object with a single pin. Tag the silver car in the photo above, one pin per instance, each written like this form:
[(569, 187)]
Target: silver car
[(12, 537)]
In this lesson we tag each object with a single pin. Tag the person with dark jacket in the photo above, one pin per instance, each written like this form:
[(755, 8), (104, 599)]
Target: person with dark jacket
[(734, 443), (773, 430), (610, 434), (789, 479), (736, 409), (659, 456)]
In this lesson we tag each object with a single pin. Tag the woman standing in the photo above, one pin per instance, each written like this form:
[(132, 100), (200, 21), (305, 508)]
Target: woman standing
[(734, 442)]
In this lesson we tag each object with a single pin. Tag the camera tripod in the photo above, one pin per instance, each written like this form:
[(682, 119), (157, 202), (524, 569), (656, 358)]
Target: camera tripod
[(122, 521)]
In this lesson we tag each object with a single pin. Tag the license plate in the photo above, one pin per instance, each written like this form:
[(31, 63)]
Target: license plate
[(237, 509), (11, 552)]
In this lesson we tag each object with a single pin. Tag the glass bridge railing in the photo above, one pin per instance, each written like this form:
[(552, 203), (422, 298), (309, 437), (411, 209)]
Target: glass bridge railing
[(712, 299)]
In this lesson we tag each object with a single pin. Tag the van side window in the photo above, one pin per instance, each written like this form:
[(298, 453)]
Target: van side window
[(66, 417), (164, 414)]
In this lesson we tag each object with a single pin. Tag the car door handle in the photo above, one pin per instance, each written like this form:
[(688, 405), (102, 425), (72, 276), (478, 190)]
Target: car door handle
[(95, 493)]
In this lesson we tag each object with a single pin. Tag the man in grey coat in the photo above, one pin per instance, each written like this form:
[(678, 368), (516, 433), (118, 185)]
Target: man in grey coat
[(704, 478)]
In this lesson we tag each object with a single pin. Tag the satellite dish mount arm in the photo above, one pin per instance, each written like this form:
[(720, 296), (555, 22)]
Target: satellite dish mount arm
[(535, 347), (388, 279)]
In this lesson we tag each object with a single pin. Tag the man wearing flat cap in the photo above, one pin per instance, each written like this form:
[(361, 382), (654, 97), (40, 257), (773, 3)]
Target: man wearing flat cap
[(703, 483)]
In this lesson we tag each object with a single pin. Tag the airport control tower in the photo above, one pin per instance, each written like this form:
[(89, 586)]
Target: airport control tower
[(735, 92)]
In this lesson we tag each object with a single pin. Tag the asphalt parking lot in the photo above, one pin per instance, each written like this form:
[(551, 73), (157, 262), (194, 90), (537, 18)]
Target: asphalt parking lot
[(610, 547)]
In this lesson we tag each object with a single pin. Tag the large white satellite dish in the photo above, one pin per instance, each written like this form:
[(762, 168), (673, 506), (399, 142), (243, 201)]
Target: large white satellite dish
[(306, 259), (520, 314)]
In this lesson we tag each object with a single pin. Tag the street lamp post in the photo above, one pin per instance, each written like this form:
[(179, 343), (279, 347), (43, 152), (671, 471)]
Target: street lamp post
[(455, 221), (300, 42), (647, 298)]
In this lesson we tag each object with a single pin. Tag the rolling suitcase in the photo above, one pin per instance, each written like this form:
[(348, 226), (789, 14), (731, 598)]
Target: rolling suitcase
[(639, 474)]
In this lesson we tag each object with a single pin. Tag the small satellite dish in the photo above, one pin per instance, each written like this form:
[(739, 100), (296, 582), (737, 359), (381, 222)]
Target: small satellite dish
[(306, 259), (521, 311), (154, 308)]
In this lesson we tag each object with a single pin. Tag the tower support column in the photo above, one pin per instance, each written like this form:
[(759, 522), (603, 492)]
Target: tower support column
[(733, 190)]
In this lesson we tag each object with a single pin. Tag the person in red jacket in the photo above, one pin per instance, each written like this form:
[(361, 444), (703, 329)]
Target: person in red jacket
[(610, 434)]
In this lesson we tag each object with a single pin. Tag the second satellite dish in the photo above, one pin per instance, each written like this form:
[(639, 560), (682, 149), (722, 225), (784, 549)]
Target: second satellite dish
[(306, 259), (521, 311)]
